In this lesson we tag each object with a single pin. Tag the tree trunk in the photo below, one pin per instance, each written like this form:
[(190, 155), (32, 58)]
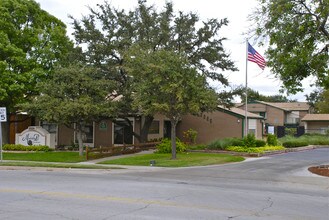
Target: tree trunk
[(145, 128), (173, 139), (79, 137)]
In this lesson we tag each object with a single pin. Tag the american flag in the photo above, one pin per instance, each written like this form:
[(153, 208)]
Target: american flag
[(255, 57)]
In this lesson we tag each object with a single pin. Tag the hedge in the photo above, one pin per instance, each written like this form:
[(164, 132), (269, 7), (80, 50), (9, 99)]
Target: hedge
[(19, 147)]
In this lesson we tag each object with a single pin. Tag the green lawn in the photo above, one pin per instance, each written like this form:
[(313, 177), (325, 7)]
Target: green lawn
[(56, 165), (183, 160), (64, 157)]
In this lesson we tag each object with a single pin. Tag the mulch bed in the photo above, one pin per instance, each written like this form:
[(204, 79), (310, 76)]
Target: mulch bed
[(322, 170)]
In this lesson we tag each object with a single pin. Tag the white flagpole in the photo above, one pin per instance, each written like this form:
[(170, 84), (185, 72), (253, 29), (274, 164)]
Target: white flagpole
[(246, 91)]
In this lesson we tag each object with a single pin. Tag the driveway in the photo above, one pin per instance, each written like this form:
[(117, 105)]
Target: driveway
[(275, 187)]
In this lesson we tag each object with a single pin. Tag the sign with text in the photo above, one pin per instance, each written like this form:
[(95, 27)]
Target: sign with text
[(3, 114), (32, 136)]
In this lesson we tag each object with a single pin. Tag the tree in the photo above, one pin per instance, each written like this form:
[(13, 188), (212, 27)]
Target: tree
[(323, 104), (313, 98), (31, 43), (254, 95), (108, 33), (173, 87), (298, 32), (73, 96)]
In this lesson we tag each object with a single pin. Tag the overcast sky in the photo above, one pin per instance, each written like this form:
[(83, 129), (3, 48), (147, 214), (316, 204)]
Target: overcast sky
[(236, 11)]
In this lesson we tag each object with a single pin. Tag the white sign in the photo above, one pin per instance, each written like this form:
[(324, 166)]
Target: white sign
[(270, 129), (3, 114), (32, 136)]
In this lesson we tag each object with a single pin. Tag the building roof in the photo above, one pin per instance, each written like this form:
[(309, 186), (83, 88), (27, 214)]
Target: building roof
[(287, 106), (241, 112), (316, 117)]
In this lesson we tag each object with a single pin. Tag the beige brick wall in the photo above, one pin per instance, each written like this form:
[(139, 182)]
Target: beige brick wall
[(317, 124), (274, 116), (211, 126)]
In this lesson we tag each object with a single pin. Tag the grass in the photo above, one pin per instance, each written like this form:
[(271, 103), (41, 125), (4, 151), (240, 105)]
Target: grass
[(63, 157), (309, 139), (56, 165), (183, 160)]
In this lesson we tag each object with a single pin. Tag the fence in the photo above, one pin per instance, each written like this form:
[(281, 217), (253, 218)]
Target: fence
[(100, 152)]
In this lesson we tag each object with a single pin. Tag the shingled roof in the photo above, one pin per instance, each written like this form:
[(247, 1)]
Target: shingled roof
[(241, 112), (316, 117), (286, 106)]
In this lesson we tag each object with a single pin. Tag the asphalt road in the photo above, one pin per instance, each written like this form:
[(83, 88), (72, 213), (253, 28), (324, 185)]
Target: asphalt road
[(276, 187)]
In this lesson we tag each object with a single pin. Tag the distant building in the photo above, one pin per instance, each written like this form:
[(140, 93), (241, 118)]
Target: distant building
[(316, 123)]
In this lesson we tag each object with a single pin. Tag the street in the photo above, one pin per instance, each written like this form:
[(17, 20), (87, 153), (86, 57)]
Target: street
[(275, 187)]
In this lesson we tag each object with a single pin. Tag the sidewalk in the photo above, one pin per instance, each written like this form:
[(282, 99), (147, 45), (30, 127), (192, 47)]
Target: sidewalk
[(116, 157)]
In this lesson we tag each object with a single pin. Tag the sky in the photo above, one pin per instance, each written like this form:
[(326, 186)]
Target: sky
[(236, 11)]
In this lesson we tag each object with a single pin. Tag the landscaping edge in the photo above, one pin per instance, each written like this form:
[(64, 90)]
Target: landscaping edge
[(267, 153)]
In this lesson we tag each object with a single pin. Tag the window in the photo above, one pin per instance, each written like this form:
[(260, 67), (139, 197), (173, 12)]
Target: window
[(122, 132), (87, 134), (263, 114), (252, 126), (50, 127), (154, 128)]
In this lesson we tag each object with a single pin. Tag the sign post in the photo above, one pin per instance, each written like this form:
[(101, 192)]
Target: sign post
[(3, 118)]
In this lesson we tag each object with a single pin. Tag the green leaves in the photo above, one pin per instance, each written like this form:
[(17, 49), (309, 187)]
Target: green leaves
[(31, 43), (299, 40), (166, 83), (73, 94)]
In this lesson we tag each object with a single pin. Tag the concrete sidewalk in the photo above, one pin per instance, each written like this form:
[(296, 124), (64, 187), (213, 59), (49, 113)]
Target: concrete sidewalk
[(116, 157)]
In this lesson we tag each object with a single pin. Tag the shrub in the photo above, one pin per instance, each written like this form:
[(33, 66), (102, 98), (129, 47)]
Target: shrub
[(250, 140), (165, 146), (255, 149), (295, 143), (224, 143), (19, 147), (291, 131), (260, 143), (272, 140), (190, 135)]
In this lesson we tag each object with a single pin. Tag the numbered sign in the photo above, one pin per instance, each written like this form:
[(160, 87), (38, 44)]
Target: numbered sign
[(3, 114)]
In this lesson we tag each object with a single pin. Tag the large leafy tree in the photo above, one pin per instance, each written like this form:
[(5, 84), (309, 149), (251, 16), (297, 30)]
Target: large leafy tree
[(73, 96), (298, 33), (254, 95), (322, 106), (31, 43), (108, 32), (166, 83)]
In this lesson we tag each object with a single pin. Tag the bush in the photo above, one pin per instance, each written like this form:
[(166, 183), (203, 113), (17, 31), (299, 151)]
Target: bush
[(165, 146), (190, 135), (260, 143), (224, 143), (272, 140), (295, 143), (255, 149), (19, 147), (249, 140)]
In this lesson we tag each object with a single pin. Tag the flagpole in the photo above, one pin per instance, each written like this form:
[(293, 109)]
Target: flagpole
[(246, 93)]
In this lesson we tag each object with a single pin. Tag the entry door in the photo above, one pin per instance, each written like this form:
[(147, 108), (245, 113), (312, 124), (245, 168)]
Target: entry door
[(167, 129), (123, 133)]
